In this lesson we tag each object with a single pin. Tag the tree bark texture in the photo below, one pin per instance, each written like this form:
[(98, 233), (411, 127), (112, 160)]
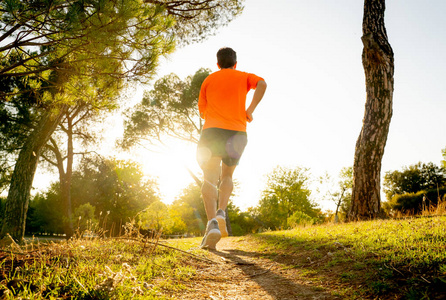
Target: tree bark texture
[(66, 177), (22, 178), (377, 59)]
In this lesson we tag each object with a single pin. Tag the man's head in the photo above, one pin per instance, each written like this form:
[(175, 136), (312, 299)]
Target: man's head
[(226, 58)]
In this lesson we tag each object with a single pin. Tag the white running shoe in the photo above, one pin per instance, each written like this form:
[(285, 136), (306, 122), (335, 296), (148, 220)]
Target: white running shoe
[(212, 235), (221, 219)]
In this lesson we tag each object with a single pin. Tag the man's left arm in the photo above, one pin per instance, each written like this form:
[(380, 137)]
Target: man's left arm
[(202, 102)]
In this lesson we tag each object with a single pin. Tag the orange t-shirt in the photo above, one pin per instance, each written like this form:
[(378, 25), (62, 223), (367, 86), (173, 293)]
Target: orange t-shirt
[(223, 97)]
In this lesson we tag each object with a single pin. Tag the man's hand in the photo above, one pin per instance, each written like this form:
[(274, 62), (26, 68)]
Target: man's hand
[(249, 117)]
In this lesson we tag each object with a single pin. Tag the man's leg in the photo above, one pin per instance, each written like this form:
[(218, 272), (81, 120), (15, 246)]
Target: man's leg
[(226, 187), (211, 171)]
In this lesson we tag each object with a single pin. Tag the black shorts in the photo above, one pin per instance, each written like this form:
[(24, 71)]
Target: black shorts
[(217, 142)]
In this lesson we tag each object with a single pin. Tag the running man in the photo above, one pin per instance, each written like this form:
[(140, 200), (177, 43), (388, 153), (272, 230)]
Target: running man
[(222, 105)]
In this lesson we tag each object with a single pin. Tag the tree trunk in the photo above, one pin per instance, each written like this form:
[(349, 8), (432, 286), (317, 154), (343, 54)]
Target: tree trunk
[(66, 183), (65, 177), (22, 178), (377, 59)]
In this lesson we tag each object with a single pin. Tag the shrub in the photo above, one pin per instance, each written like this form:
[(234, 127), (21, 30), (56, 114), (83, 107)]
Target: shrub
[(413, 202), (300, 218)]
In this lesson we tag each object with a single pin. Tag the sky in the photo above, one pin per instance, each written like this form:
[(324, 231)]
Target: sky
[(309, 53)]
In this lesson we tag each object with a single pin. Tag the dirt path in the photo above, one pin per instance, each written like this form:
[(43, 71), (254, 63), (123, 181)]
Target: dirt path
[(243, 273)]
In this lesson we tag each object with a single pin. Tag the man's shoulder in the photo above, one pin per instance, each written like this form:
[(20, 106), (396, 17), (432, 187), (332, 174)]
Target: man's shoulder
[(228, 73)]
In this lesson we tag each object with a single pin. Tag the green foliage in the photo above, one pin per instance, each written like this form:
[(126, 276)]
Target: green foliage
[(114, 189), (160, 217), (44, 215), (18, 116), (413, 179), (299, 218), (190, 208), (190, 205), (5, 175), (176, 225), (286, 193), (80, 38), (170, 108), (415, 203), (341, 192), (197, 19), (443, 162), (346, 185), (156, 216), (115, 186), (242, 223)]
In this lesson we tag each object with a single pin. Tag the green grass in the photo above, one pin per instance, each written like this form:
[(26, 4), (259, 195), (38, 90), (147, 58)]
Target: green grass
[(383, 259), (94, 269), (406, 258)]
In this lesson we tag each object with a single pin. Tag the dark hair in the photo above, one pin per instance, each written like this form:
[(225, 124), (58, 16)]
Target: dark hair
[(226, 57)]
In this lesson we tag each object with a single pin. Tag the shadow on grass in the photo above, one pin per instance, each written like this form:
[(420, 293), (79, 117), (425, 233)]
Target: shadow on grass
[(357, 272)]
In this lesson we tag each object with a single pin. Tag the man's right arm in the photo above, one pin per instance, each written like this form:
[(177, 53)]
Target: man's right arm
[(256, 98)]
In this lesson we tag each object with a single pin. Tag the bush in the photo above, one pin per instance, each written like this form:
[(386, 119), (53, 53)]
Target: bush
[(413, 202), (237, 230), (300, 218), (242, 222)]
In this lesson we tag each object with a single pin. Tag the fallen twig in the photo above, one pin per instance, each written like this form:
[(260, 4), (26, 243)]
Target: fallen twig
[(425, 280), (392, 267), (170, 247), (261, 273)]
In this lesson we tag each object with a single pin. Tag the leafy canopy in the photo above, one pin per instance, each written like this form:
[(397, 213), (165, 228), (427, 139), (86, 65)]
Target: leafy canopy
[(169, 109), (98, 38)]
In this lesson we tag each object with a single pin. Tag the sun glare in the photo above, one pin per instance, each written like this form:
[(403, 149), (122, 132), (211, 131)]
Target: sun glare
[(171, 168)]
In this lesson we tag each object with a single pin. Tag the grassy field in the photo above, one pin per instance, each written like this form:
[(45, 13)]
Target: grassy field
[(383, 259), (402, 259)]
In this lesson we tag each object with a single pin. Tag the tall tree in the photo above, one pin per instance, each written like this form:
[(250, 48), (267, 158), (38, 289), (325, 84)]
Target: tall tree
[(377, 59), (75, 127), (22, 177), (169, 109)]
